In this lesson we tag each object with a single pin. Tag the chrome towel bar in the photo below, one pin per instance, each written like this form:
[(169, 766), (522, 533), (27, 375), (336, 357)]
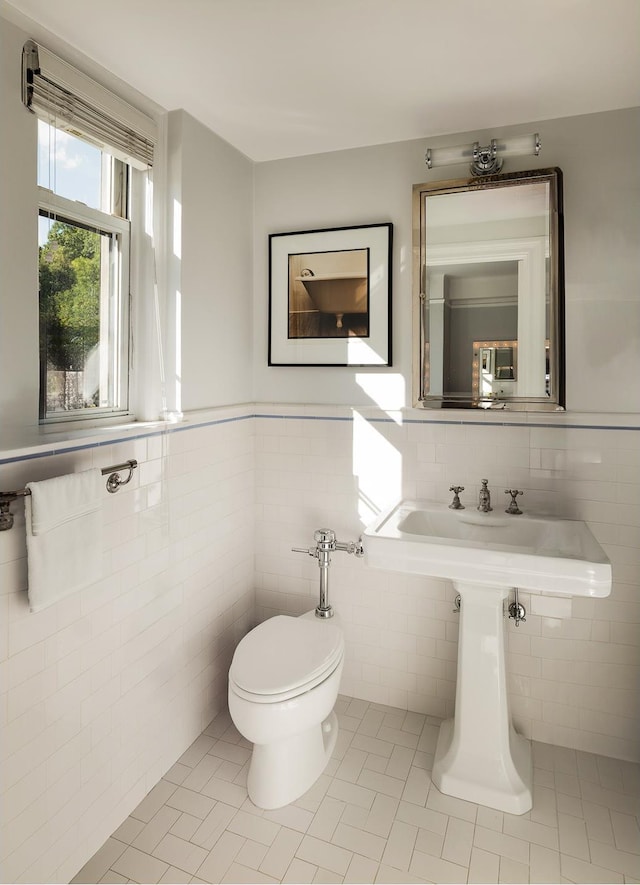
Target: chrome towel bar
[(114, 481)]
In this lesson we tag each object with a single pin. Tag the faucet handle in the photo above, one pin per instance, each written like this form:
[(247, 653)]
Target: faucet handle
[(513, 506), (455, 504)]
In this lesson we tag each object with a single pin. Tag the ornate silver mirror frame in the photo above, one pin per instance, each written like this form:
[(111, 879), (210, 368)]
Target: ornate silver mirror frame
[(488, 292)]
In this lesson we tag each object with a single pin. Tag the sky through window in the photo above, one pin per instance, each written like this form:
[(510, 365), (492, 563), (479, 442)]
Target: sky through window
[(69, 166)]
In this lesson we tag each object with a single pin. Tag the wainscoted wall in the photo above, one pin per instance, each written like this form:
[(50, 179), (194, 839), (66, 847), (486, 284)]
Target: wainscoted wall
[(573, 665), (103, 691)]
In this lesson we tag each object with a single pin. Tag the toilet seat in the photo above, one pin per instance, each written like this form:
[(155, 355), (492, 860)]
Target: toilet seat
[(284, 695), (284, 657)]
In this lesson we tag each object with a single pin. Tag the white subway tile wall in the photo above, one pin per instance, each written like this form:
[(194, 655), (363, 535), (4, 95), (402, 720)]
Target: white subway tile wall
[(102, 692), (573, 664)]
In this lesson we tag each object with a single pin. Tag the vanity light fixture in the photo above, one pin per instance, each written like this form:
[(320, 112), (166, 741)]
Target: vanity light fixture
[(484, 160)]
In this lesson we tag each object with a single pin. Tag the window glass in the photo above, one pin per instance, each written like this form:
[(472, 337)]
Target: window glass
[(69, 166), (83, 279), (74, 328)]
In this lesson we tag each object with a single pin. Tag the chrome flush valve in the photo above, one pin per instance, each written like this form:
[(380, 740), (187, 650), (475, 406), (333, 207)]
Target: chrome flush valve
[(325, 545)]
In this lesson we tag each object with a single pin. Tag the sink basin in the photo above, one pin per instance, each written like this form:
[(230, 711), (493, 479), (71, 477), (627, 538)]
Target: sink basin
[(539, 554), (479, 756)]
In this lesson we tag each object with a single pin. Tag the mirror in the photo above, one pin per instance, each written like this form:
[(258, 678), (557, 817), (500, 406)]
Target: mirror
[(488, 292)]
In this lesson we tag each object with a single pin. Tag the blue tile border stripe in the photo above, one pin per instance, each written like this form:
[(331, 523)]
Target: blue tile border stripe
[(183, 428), (452, 422), (131, 437)]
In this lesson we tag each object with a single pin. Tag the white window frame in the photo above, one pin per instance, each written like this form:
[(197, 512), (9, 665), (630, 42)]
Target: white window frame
[(117, 311), (67, 98)]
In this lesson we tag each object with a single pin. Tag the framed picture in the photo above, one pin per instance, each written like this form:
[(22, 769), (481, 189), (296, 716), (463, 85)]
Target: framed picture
[(330, 297)]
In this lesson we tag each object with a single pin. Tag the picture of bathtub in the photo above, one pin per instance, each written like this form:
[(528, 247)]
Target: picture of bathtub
[(337, 293), (330, 297)]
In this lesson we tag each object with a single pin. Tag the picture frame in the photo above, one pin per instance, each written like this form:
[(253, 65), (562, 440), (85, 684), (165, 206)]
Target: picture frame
[(330, 296)]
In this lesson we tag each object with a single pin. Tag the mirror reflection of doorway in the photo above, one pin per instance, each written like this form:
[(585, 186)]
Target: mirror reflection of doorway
[(505, 364)]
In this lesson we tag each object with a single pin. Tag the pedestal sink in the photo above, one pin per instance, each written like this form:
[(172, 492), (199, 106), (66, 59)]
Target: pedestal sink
[(479, 756)]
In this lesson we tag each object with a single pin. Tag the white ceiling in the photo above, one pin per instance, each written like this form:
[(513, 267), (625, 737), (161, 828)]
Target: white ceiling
[(282, 78)]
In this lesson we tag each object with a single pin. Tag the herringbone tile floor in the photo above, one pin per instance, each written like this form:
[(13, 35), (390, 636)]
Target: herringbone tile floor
[(375, 816)]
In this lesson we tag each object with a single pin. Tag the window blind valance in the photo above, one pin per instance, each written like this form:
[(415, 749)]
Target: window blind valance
[(52, 88)]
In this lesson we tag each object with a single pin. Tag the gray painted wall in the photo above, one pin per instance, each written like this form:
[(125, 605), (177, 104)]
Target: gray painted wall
[(374, 184)]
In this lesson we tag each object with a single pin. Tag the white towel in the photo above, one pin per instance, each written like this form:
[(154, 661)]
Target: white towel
[(64, 536)]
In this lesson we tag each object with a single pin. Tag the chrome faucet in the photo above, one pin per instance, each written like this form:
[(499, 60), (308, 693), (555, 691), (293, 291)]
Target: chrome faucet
[(484, 499)]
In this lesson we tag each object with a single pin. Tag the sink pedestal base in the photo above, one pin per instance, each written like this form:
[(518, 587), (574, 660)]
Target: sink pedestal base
[(479, 756)]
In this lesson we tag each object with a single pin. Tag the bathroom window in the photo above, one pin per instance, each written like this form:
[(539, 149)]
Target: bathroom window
[(83, 262), (95, 153)]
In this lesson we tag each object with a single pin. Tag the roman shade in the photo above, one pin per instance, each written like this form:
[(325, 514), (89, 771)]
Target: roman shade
[(72, 101)]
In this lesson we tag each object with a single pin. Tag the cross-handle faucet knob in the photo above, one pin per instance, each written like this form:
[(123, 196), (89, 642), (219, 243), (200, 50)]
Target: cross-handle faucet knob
[(513, 506), (455, 504)]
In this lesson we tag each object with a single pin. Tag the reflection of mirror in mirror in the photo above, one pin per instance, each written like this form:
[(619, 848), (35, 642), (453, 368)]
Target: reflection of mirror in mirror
[(494, 369), (487, 268)]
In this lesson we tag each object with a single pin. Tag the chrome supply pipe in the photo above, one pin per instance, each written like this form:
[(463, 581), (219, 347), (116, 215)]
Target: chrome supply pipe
[(325, 542)]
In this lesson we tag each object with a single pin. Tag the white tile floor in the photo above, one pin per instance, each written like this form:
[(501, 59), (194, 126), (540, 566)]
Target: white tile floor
[(375, 816)]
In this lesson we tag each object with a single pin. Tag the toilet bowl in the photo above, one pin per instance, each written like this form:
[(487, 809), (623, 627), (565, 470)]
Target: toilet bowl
[(283, 683)]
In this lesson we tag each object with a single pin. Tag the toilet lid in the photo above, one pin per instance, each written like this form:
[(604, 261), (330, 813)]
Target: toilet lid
[(284, 653)]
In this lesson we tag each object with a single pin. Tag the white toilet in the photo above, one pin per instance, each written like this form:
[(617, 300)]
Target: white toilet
[(283, 684)]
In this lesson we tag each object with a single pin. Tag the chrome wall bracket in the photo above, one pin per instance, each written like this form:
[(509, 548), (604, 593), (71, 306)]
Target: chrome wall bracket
[(485, 159), (325, 545), (517, 611), (114, 480), (6, 516)]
